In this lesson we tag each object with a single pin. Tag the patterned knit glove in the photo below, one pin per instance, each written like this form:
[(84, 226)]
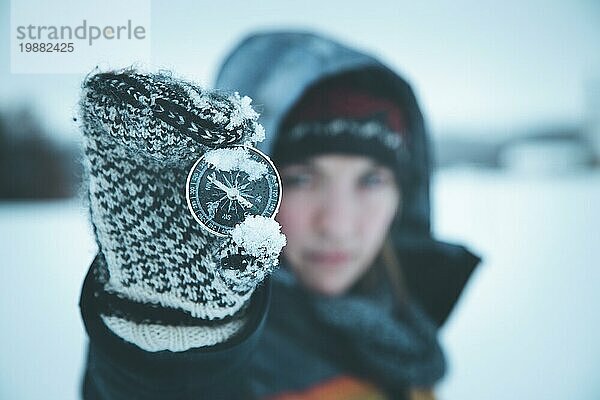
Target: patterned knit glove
[(163, 283)]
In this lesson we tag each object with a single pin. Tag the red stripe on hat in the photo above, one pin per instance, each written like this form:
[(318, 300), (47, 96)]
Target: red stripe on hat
[(326, 103)]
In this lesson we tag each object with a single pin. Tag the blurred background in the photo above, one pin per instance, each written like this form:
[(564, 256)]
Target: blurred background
[(511, 94)]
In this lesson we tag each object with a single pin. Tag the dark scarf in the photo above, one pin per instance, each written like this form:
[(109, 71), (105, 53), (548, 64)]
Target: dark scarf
[(393, 346)]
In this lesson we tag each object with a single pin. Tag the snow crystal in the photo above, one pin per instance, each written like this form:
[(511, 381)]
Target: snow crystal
[(259, 134), (242, 111), (236, 159), (198, 100), (219, 117), (259, 236)]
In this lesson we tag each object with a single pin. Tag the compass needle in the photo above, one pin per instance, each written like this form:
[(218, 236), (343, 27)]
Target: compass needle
[(244, 201)]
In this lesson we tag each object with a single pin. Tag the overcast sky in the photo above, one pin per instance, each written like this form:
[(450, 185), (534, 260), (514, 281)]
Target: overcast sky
[(477, 66)]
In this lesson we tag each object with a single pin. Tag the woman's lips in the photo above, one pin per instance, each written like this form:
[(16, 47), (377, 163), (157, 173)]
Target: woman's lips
[(332, 258)]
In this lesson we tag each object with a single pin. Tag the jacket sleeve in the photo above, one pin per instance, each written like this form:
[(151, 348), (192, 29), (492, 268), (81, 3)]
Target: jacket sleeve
[(116, 369)]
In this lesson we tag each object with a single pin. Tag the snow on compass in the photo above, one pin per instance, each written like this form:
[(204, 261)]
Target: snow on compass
[(227, 185)]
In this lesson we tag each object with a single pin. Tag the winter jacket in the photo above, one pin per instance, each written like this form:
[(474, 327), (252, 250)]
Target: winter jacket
[(281, 354)]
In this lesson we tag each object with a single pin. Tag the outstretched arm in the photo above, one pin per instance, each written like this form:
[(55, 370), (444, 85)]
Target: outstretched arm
[(173, 301)]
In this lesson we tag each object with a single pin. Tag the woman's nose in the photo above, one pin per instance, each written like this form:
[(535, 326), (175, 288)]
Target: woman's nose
[(337, 215)]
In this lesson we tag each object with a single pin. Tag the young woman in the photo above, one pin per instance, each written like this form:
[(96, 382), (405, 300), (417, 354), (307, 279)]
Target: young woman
[(362, 286)]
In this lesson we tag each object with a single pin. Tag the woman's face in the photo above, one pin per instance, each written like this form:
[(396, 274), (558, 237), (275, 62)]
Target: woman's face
[(336, 211)]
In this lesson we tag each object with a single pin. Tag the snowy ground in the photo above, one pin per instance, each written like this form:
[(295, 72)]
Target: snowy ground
[(44, 251), (526, 328)]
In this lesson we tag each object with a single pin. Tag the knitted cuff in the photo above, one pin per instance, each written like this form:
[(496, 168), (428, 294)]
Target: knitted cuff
[(153, 327), (155, 337)]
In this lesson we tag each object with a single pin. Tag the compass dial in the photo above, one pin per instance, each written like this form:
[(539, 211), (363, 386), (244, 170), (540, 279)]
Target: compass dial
[(221, 196)]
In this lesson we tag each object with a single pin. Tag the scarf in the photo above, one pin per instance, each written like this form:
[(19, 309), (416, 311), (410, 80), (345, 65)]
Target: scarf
[(393, 346)]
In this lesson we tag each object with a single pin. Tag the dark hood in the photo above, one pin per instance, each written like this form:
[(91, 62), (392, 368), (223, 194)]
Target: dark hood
[(276, 68)]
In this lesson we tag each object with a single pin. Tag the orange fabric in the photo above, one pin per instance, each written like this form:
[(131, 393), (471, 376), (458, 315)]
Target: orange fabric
[(421, 394), (339, 388)]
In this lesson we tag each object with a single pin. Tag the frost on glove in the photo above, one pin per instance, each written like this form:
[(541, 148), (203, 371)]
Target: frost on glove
[(163, 285)]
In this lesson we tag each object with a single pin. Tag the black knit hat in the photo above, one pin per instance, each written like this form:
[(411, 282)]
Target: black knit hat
[(343, 119)]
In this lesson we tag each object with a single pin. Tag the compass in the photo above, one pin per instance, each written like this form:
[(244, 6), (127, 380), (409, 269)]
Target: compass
[(228, 184)]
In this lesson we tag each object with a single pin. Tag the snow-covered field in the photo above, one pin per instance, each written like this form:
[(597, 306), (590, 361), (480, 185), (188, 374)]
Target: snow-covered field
[(45, 249), (528, 326)]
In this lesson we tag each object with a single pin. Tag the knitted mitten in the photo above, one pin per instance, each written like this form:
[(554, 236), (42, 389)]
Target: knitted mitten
[(162, 282)]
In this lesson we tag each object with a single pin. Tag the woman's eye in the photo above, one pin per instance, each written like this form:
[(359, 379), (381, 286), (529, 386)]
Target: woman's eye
[(296, 180), (374, 180)]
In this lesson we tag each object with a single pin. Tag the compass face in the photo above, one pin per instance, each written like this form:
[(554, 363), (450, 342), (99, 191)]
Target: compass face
[(221, 196)]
